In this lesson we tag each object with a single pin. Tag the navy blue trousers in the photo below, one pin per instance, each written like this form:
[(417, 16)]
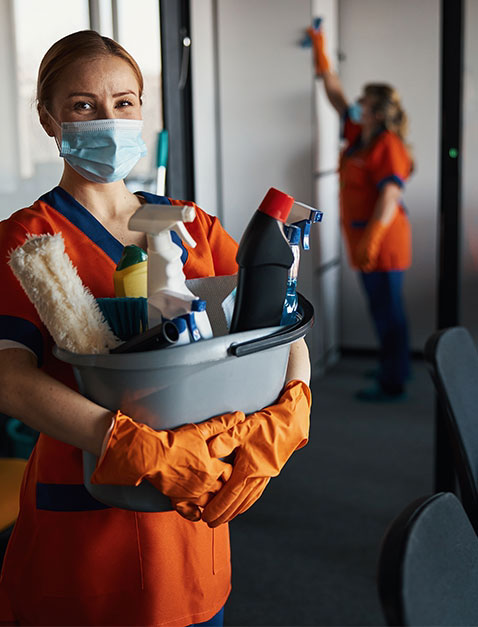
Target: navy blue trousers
[(384, 291), (216, 621)]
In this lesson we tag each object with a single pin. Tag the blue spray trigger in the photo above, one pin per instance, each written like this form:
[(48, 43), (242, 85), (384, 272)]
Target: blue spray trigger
[(304, 230), (292, 233)]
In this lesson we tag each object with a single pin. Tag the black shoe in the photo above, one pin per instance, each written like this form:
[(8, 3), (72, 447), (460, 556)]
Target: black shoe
[(377, 394)]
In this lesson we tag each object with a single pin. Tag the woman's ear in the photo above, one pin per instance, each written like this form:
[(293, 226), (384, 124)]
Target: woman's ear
[(46, 121)]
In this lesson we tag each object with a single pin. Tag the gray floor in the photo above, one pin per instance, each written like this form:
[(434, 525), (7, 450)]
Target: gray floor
[(306, 553)]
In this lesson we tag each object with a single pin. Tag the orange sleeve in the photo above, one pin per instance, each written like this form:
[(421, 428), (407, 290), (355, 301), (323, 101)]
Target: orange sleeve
[(390, 161), (222, 246), (350, 130), (19, 320)]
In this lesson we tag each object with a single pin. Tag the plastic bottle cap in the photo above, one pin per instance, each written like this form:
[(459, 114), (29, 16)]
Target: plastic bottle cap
[(276, 204), (132, 255)]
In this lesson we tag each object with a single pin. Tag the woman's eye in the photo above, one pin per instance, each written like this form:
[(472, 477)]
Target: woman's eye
[(82, 106), (124, 103)]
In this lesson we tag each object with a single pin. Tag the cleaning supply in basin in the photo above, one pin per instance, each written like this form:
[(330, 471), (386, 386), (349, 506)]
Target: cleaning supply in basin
[(66, 307), (192, 311), (126, 316), (130, 276), (161, 336), (197, 321), (264, 258), (289, 315), (165, 268), (302, 217)]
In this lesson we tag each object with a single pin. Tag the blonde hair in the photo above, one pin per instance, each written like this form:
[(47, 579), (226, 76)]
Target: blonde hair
[(84, 44), (387, 103)]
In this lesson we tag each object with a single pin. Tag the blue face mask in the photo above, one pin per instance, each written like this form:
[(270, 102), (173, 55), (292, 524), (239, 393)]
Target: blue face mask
[(355, 112), (103, 151)]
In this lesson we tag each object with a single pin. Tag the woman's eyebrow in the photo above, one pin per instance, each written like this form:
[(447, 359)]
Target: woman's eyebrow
[(90, 95), (80, 93)]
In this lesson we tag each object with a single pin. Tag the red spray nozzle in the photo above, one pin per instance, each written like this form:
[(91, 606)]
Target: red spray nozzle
[(276, 204)]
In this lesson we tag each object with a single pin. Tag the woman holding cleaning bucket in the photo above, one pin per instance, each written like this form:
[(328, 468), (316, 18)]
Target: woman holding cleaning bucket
[(373, 169), (70, 559)]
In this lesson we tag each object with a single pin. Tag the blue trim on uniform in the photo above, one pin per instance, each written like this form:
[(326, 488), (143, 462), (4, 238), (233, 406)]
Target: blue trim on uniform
[(355, 147), (343, 119), (359, 224), (153, 199), (72, 210), (23, 331), (393, 178), (57, 497)]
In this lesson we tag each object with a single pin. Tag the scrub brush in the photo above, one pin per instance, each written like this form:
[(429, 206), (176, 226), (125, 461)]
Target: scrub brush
[(126, 316), (66, 307)]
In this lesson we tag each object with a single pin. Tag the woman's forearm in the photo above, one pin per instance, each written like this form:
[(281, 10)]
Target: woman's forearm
[(299, 363), (335, 94), (46, 405), (387, 204)]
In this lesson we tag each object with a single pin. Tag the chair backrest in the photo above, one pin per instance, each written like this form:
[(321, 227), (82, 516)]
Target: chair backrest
[(452, 357), (428, 565)]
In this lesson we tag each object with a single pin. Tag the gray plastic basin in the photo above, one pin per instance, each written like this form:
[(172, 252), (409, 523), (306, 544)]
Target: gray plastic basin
[(182, 384), (171, 387)]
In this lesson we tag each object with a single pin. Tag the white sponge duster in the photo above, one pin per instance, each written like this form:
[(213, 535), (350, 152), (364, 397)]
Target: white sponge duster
[(66, 307)]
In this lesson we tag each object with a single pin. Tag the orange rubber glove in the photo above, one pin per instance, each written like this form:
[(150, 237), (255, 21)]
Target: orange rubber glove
[(321, 60), (262, 443), (368, 247), (177, 462)]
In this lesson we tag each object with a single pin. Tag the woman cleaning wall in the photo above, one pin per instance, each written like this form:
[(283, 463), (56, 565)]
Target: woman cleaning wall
[(374, 167)]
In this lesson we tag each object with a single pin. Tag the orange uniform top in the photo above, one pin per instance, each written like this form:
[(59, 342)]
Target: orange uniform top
[(363, 173), (72, 560)]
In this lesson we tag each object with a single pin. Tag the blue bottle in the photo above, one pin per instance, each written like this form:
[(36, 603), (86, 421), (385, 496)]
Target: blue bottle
[(289, 315)]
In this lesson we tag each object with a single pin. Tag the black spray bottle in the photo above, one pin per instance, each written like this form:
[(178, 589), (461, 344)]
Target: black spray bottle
[(264, 258)]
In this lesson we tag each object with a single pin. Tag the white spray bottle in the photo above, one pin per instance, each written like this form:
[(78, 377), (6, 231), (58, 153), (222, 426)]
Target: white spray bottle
[(168, 295)]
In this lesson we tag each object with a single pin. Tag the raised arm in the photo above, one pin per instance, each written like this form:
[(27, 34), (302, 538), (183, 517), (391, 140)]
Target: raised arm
[(324, 70)]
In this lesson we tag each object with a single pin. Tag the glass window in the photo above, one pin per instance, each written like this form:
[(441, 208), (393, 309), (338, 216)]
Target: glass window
[(31, 44), (139, 33)]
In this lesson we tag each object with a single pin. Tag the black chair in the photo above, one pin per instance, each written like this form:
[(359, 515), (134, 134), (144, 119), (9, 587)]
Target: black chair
[(428, 565), (452, 358)]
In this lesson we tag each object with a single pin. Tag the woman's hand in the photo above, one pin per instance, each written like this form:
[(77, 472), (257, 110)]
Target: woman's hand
[(261, 444), (177, 462), (385, 210), (321, 59)]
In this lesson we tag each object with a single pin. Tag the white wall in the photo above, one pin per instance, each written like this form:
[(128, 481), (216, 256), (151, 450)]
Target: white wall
[(253, 90), (252, 104), (398, 42)]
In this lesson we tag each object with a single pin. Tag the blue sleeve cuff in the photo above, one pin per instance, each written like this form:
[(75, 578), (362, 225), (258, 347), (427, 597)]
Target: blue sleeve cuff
[(23, 331), (391, 179)]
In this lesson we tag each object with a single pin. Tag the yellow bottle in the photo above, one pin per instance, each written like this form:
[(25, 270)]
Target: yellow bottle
[(130, 276)]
